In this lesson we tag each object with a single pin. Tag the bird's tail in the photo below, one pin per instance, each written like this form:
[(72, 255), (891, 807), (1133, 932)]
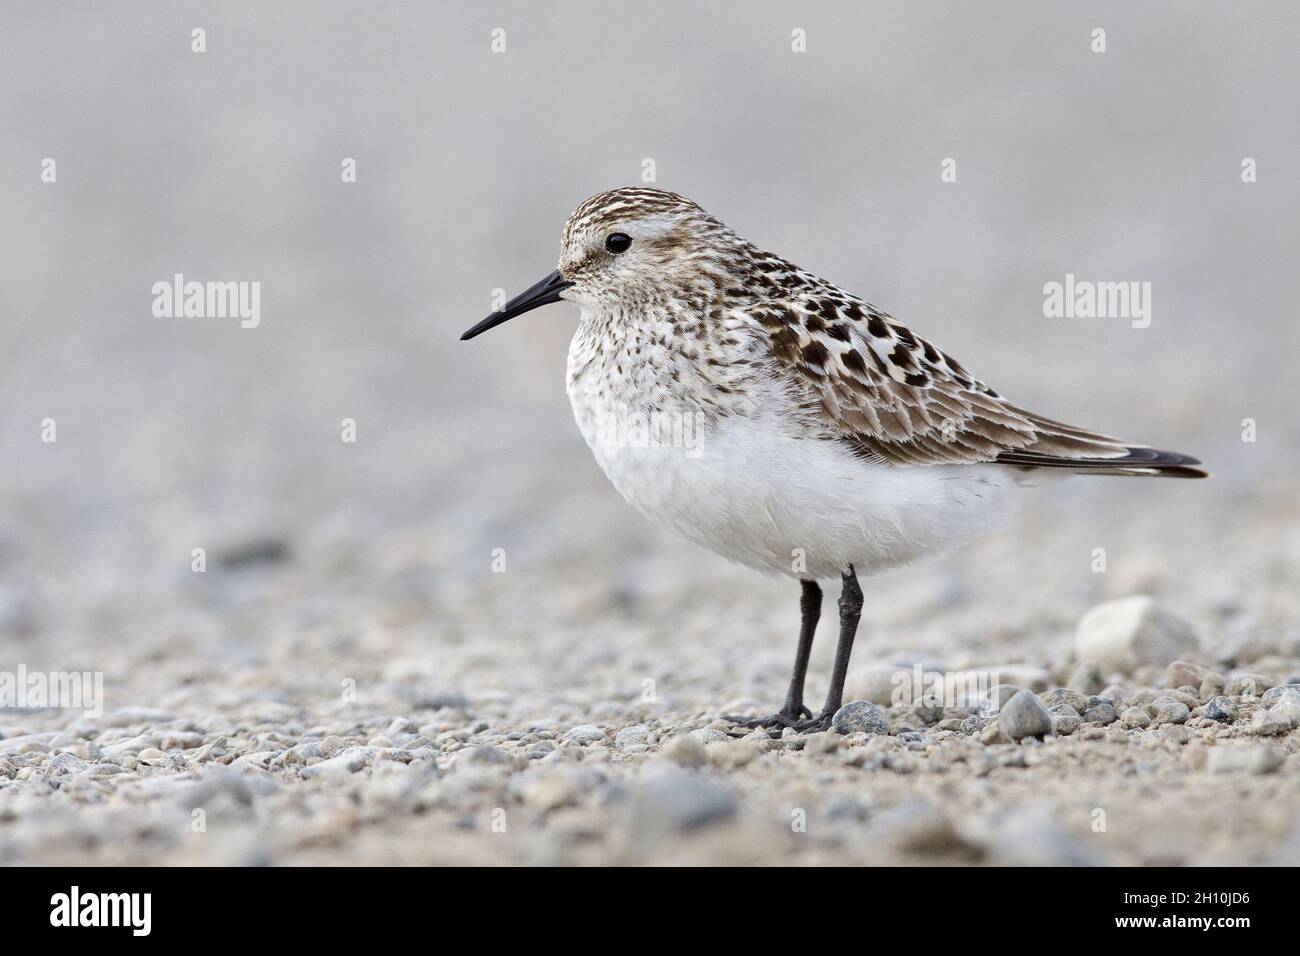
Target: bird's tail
[(1136, 460), (1076, 450)]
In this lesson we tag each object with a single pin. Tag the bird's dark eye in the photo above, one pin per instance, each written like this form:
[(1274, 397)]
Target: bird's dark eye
[(617, 242)]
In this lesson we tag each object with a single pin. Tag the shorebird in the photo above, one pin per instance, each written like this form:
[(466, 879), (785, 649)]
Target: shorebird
[(810, 433)]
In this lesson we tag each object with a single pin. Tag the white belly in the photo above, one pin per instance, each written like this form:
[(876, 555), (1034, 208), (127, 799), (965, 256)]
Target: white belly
[(754, 493)]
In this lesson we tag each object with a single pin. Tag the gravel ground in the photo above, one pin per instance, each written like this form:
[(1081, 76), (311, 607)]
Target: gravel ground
[(450, 641), (545, 717)]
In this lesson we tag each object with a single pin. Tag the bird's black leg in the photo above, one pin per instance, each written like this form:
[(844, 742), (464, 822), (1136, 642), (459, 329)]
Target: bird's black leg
[(810, 611), (850, 612)]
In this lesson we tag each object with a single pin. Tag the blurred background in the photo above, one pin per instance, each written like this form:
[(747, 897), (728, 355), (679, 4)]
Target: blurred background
[(373, 560)]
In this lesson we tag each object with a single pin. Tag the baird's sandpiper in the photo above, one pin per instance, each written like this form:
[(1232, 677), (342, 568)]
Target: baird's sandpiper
[(826, 438)]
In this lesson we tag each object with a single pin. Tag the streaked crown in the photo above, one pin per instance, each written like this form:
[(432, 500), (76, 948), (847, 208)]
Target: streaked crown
[(631, 245)]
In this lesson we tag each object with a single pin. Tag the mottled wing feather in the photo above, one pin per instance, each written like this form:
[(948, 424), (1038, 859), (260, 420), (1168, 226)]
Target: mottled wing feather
[(895, 397)]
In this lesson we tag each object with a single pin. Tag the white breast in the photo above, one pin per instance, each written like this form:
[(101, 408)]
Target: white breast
[(750, 488)]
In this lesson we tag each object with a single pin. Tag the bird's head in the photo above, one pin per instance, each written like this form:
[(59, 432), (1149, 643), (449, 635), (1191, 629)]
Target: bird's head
[(629, 247)]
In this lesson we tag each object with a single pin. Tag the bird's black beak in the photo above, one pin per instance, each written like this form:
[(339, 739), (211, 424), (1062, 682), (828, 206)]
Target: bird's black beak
[(543, 293)]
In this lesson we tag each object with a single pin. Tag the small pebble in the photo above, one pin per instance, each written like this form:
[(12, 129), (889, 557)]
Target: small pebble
[(1024, 716), (994, 734), (996, 699), (1065, 720), (1168, 711), (860, 717), (584, 734), (973, 725), (632, 736), (1100, 710), (1135, 717), (1182, 673), (1058, 696), (1287, 710), (1274, 695), (1221, 708)]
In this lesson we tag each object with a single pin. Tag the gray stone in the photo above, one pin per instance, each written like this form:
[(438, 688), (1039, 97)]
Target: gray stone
[(1274, 695), (65, 763), (1188, 700), (1135, 717), (1065, 720), (632, 736), (484, 756), (996, 699), (1024, 716), (860, 717), (179, 740), (1058, 696), (1100, 710), (348, 762), (993, 734), (1124, 634), (972, 725), (1221, 708), (1287, 710), (303, 753), (1166, 710), (1185, 674), (132, 746), (584, 734), (539, 749)]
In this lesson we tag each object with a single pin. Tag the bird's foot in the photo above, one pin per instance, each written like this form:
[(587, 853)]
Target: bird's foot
[(775, 722), (815, 725)]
